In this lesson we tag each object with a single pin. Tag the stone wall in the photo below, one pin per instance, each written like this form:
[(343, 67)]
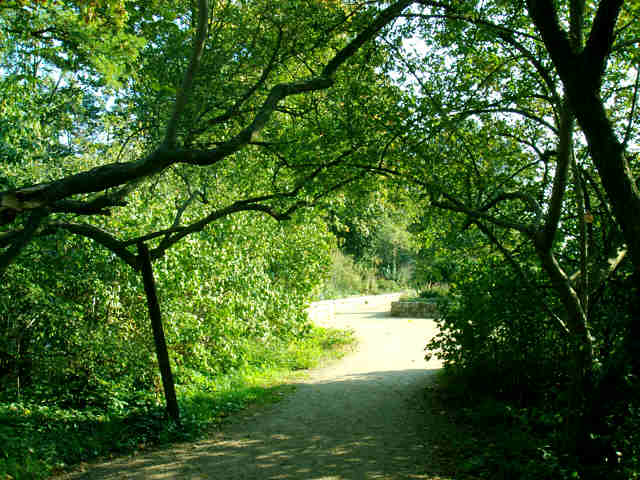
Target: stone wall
[(326, 310)]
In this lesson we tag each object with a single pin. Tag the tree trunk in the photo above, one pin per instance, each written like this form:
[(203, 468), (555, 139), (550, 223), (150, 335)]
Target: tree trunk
[(581, 72), (580, 351), (633, 334), (158, 333), (608, 156)]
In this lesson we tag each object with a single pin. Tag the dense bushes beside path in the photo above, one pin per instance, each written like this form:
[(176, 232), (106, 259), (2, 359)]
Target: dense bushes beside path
[(76, 350), (507, 374), (39, 437)]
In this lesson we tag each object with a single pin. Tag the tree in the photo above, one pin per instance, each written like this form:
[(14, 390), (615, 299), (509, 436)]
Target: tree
[(494, 141), (167, 153), (251, 111), (222, 123), (579, 58)]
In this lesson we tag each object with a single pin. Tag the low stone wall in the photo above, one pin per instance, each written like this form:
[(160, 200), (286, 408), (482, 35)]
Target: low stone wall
[(327, 309), (414, 309)]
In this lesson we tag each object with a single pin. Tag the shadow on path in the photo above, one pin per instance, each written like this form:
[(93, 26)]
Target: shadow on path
[(346, 431), (362, 418)]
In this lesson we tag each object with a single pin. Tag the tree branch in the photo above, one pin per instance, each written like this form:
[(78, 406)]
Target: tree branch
[(577, 320), (545, 18), (601, 39), (614, 265), (187, 82), (627, 133), (100, 236), (115, 174), (503, 196), (452, 14), (384, 18), (517, 111), (97, 206), (542, 71), (22, 239), (250, 91), (547, 235), (456, 206)]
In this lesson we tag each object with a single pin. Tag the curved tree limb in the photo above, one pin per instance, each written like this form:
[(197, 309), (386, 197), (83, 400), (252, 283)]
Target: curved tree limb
[(453, 14), (546, 236), (524, 197), (452, 204), (187, 82), (235, 108), (98, 206), (100, 236), (517, 111), (115, 174), (506, 34)]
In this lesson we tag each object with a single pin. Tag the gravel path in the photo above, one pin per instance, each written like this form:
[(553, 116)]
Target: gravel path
[(355, 419)]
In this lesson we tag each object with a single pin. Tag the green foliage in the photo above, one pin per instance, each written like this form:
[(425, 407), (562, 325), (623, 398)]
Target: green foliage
[(79, 364), (376, 253), (494, 333), (474, 128), (345, 277), (87, 84), (90, 342), (505, 354), (437, 292), (372, 228), (39, 437)]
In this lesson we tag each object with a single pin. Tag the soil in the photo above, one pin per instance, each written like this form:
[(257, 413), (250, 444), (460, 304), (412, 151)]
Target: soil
[(358, 418)]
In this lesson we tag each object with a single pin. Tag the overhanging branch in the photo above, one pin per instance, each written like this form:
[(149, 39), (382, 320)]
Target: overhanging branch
[(115, 174), (102, 237), (187, 82)]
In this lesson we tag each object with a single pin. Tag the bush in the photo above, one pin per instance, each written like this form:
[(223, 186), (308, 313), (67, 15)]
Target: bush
[(500, 346), (39, 439), (435, 292), (74, 331), (494, 333)]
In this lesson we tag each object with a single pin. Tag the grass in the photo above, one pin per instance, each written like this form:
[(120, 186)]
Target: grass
[(38, 440)]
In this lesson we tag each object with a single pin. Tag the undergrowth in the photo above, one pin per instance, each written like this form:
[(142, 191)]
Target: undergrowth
[(477, 436), (38, 439), (346, 278)]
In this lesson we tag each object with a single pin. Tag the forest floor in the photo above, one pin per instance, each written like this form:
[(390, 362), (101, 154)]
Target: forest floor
[(363, 417)]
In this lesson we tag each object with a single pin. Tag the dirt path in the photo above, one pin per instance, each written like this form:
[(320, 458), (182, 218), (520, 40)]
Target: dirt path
[(355, 419)]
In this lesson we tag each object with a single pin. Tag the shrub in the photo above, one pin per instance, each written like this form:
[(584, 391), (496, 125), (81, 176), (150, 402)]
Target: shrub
[(494, 333)]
